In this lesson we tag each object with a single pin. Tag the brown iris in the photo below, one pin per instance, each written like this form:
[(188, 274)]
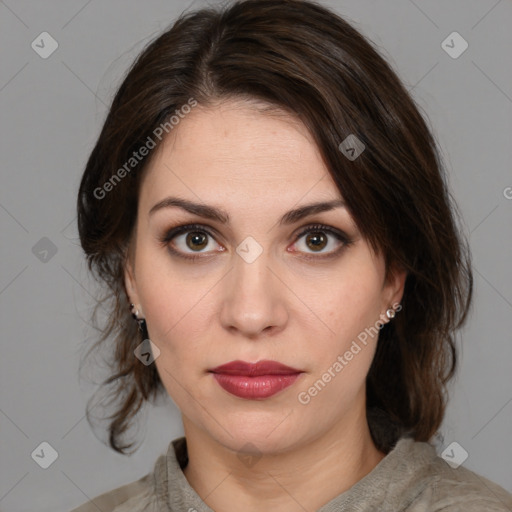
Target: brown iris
[(318, 240), (199, 240)]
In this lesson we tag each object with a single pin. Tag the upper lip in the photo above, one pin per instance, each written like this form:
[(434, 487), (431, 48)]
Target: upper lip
[(255, 369)]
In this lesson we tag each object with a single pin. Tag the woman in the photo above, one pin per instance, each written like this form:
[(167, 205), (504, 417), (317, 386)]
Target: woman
[(267, 203)]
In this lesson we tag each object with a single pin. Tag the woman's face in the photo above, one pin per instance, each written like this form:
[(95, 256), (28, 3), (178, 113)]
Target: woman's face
[(259, 284)]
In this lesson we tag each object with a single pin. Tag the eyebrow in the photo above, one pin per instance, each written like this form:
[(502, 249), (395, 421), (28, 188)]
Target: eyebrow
[(212, 213)]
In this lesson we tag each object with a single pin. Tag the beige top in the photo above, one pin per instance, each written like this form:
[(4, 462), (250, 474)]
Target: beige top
[(410, 478)]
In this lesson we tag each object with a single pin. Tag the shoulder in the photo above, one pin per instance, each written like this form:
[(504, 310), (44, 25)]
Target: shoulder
[(464, 490), (136, 494), (459, 490), (109, 501), (147, 494)]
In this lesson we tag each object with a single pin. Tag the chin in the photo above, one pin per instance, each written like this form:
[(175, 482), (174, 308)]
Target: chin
[(257, 434)]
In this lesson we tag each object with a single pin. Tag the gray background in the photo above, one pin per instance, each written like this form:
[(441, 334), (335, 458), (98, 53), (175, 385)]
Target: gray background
[(51, 113)]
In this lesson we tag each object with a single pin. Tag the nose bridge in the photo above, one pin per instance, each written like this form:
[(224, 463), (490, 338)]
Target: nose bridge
[(251, 274), (253, 301)]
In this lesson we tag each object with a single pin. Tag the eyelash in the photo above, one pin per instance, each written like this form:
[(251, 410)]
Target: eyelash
[(186, 228)]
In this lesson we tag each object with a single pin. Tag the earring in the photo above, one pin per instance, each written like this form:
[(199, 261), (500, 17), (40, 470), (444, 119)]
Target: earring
[(390, 313), (135, 315)]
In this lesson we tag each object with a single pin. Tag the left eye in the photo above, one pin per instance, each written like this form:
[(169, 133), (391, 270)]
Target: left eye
[(316, 239)]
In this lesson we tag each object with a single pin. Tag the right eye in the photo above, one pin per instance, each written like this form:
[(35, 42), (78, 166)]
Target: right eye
[(189, 240)]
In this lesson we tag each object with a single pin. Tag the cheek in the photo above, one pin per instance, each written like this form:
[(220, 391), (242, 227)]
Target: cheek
[(348, 304), (339, 370), (177, 322), (172, 295), (350, 311)]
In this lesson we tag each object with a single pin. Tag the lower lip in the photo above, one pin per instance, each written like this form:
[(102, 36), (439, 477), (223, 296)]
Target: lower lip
[(255, 388)]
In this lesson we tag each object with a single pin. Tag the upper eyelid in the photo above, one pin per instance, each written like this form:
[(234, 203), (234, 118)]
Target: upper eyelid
[(204, 227)]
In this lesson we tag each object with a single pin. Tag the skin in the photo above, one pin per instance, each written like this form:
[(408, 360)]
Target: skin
[(284, 307)]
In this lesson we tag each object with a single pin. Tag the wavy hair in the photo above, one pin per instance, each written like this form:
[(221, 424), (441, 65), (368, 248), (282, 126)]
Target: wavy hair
[(301, 58)]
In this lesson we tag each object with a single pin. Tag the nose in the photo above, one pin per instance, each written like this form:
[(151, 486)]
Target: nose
[(253, 301)]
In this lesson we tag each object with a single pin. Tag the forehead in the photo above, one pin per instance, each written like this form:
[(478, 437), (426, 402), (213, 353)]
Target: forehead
[(234, 148)]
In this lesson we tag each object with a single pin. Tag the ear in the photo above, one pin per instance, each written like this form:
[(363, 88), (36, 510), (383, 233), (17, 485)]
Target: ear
[(394, 287), (129, 281)]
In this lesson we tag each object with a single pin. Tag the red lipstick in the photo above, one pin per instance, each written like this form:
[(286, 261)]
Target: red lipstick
[(254, 381)]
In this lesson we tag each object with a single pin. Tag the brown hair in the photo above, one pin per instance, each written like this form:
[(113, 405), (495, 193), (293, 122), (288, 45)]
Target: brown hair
[(304, 59)]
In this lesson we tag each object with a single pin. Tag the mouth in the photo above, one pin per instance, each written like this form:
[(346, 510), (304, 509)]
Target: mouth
[(255, 381)]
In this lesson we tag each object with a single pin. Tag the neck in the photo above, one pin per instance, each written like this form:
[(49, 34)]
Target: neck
[(304, 478)]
